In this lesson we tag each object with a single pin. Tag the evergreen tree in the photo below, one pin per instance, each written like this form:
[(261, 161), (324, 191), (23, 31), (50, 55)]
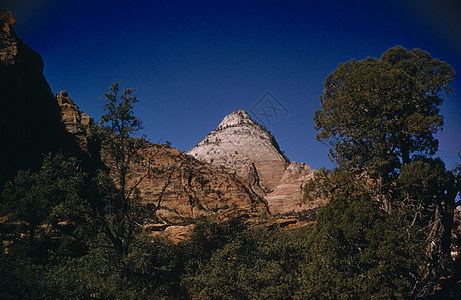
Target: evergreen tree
[(43, 202), (378, 114), (115, 198), (380, 117)]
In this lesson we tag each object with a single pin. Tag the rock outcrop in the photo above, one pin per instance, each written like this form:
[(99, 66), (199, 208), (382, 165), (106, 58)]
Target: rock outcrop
[(240, 162), (242, 146), (77, 124), (176, 188), (8, 38), (288, 195), (178, 233), (71, 115)]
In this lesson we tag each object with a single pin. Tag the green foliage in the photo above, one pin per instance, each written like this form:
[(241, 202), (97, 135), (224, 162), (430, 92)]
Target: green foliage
[(150, 271), (117, 127), (210, 235), (338, 183), (425, 182), (427, 190), (45, 210), (357, 250), (379, 113), (380, 117), (48, 201), (255, 263), (153, 268)]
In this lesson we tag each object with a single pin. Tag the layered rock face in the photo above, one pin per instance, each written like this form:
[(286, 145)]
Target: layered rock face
[(174, 187), (246, 161), (178, 187), (77, 124), (288, 195), (71, 115), (241, 145)]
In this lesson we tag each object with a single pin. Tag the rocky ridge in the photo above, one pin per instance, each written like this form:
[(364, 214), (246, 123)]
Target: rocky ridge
[(8, 38), (76, 122), (71, 115), (175, 188)]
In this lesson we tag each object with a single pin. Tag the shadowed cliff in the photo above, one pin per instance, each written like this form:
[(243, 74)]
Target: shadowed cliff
[(30, 117)]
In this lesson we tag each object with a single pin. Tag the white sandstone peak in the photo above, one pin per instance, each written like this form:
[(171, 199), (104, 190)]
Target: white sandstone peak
[(243, 146), (237, 117)]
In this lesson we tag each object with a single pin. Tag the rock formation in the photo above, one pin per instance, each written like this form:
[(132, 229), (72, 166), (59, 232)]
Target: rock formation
[(174, 187), (288, 195), (178, 187), (29, 116), (239, 163), (71, 115), (8, 38), (242, 146), (77, 124)]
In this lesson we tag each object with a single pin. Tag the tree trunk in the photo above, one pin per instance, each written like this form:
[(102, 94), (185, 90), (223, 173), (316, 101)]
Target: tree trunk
[(32, 229), (438, 248)]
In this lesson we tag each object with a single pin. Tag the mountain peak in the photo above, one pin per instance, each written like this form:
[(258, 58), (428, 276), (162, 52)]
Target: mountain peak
[(234, 119), (242, 145)]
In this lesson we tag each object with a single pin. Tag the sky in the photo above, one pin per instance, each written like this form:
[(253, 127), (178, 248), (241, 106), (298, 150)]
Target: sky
[(194, 62)]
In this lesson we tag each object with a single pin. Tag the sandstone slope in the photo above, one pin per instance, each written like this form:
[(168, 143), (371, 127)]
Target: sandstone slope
[(288, 195), (177, 188)]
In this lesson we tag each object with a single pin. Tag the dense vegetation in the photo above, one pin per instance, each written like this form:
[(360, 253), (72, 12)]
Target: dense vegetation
[(380, 117), (69, 232)]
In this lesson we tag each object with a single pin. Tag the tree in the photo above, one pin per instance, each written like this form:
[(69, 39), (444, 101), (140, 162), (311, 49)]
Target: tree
[(45, 198), (357, 250), (231, 260), (428, 192), (115, 196), (378, 114), (380, 117)]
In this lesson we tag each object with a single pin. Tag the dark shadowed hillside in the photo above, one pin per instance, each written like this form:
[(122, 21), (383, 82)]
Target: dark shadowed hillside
[(30, 121)]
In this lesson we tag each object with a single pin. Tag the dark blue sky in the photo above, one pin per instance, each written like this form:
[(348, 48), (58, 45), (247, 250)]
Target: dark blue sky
[(194, 62)]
